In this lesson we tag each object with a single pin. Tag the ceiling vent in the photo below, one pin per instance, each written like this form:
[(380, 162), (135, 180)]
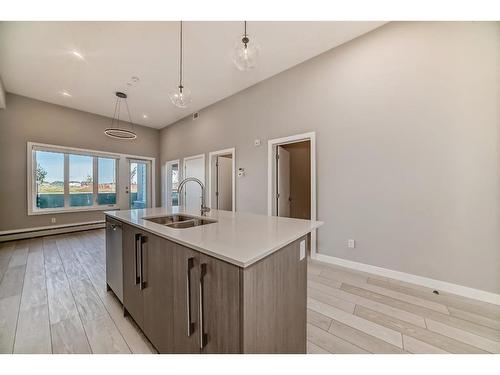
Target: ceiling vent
[(196, 115)]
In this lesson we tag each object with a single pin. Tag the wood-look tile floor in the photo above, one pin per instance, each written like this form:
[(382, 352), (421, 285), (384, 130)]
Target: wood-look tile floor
[(53, 299)]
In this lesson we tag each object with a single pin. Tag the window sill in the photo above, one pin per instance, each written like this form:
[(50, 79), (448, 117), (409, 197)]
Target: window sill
[(46, 211)]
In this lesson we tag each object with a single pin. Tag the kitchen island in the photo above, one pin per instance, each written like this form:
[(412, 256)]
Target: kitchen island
[(226, 282)]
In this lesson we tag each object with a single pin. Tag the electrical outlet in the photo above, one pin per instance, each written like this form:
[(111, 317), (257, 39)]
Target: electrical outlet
[(351, 244), (53, 220), (302, 250)]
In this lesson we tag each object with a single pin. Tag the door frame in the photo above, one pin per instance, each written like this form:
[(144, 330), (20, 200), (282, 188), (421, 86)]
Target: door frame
[(226, 151), (150, 162), (271, 152), (183, 198), (167, 190)]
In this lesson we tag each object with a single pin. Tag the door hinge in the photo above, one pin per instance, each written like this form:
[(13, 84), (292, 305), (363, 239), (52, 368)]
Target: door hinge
[(216, 193), (278, 195), (277, 156)]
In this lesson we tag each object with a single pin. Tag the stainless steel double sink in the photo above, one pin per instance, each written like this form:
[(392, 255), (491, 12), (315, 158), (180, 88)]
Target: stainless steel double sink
[(178, 221)]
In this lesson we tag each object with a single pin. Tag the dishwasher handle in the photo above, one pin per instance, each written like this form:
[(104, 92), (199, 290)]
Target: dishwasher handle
[(136, 255)]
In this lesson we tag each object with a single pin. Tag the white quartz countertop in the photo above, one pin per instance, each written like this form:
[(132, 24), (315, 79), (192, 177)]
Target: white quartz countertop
[(237, 237)]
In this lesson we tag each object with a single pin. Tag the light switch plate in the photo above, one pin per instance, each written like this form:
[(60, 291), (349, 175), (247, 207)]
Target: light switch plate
[(302, 249)]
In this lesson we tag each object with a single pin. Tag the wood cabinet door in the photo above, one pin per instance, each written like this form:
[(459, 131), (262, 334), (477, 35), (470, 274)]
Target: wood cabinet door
[(219, 306), (132, 294), (185, 300), (158, 292)]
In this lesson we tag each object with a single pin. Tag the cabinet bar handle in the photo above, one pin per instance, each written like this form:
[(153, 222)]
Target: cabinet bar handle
[(190, 325), (142, 283), (203, 335), (137, 240)]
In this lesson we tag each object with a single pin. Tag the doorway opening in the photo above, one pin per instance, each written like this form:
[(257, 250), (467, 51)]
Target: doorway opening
[(193, 166), (221, 176), (172, 179), (139, 183), (292, 178)]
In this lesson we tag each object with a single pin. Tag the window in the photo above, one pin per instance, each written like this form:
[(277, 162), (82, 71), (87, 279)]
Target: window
[(49, 179), (106, 181), (81, 180), (70, 180)]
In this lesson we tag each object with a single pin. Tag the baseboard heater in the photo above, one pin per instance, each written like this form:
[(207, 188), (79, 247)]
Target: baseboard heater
[(17, 234)]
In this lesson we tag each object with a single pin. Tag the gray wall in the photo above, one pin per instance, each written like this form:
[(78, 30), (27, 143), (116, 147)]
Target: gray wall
[(407, 126), (26, 120)]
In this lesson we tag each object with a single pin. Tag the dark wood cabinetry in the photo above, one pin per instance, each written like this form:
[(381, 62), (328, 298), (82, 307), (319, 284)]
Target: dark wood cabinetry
[(189, 302)]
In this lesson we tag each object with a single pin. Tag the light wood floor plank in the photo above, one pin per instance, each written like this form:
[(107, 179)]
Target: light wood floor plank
[(330, 300), (475, 318), (9, 311), (342, 276), (33, 331), (20, 254), (87, 300), (34, 292), (434, 339), (12, 281), (412, 345), (68, 337), (386, 334), (466, 304), (427, 313), (315, 349), (362, 340), (331, 343), (104, 337), (318, 320), (464, 336), (374, 305)]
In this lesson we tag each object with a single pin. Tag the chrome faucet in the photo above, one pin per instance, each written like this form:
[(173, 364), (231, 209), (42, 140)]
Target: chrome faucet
[(204, 208)]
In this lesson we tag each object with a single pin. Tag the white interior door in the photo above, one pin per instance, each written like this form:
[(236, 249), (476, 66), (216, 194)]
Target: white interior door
[(283, 182), (193, 167), (224, 183)]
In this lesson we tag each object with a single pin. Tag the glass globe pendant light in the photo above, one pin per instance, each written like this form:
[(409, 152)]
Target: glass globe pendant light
[(246, 52), (181, 96)]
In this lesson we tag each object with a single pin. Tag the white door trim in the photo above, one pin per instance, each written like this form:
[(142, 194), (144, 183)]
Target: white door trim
[(211, 154), (150, 165), (167, 187), (271, 146)]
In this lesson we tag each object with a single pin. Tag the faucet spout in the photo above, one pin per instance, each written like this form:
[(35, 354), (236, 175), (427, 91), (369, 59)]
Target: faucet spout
[(204, 209)]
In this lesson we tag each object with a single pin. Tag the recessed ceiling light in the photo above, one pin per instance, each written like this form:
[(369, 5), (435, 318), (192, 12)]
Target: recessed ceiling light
[(66, 94), (77, 54), (144, 116)]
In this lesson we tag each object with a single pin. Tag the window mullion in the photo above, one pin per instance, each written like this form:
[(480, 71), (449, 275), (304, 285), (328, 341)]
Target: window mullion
[(95, 182), (66, 181)]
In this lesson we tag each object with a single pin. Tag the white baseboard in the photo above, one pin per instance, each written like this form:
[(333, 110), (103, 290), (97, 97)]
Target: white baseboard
[(17, 234), (444, 286)]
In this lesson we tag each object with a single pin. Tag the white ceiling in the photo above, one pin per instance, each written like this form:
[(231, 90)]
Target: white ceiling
[(36, 60)]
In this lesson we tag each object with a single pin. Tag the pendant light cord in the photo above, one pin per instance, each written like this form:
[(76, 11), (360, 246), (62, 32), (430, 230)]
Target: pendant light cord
[(180, 60), (245, 28)]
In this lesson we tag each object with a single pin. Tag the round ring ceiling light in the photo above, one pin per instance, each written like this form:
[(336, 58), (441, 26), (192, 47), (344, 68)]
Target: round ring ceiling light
[(115, 131)]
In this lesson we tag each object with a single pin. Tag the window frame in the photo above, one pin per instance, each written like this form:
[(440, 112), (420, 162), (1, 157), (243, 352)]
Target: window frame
[(66, 151)]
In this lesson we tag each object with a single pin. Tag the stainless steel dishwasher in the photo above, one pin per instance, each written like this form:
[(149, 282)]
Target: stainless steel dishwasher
[(114, 257)]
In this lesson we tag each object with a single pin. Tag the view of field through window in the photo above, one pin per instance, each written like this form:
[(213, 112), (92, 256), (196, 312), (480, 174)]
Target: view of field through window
[(51, 182)]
